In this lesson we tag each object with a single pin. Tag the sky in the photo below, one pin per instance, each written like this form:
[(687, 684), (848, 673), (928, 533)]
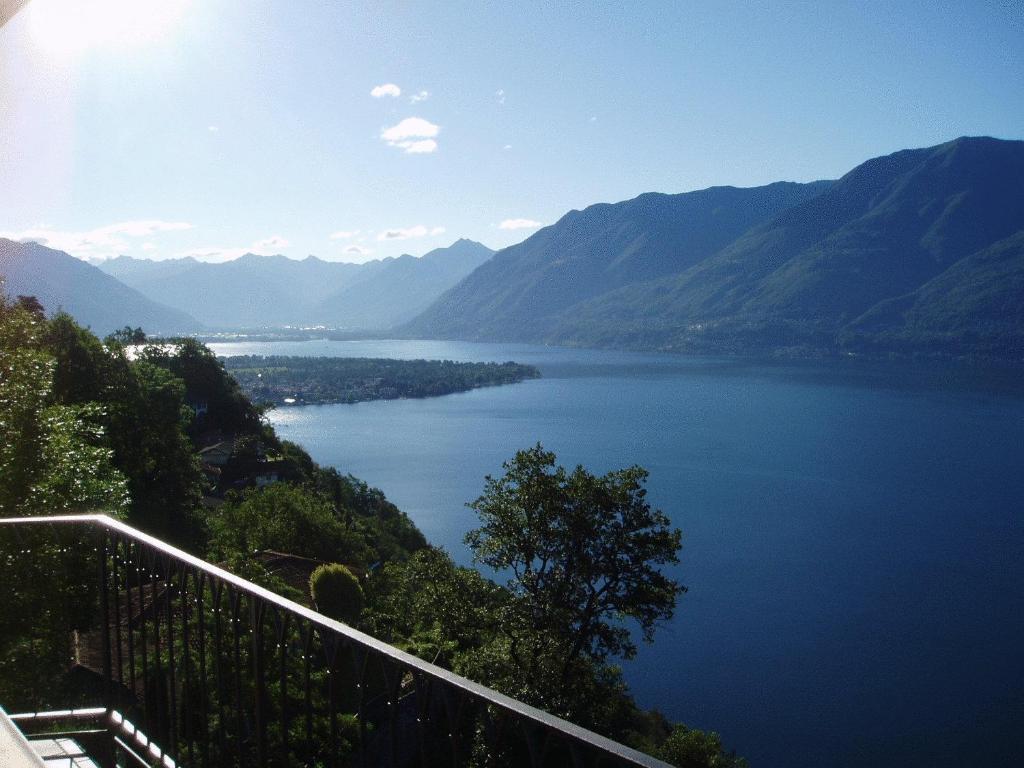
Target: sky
[(363, 130)]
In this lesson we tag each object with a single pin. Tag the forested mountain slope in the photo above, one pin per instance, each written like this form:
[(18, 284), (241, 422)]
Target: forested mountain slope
[(522, 291), (918, 251)]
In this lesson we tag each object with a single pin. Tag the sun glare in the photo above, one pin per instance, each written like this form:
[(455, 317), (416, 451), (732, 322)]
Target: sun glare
[(70, 27)]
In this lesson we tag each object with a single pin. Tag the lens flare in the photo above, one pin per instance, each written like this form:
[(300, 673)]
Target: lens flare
[(71, 27)]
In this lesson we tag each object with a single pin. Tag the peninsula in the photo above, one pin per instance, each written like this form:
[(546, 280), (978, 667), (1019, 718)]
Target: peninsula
[(322, 380)]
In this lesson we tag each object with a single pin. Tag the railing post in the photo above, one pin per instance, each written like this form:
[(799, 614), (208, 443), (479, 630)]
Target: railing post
[(105, 754), (101, 550), (256, 609)]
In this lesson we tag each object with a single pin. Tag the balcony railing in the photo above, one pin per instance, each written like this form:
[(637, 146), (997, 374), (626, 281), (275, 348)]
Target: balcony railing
[(181, 662)]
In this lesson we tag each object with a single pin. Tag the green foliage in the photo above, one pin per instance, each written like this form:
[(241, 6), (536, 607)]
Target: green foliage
[(229, 410), (53, 458), (387, 529), (145, 420), (77, 470), (84, 370), (690, 748), (285, 518), (336, 592), (127, 335), (150, 440), (584, 554), (431, 607)]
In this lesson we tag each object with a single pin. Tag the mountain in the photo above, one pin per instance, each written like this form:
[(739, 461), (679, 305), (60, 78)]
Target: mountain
[(274, 291), (978, 301), (248, 292), (918, 251), (522, 291), (92, 297), (401, 288)]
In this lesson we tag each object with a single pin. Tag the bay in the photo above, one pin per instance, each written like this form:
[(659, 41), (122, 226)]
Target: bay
[(852, 532)]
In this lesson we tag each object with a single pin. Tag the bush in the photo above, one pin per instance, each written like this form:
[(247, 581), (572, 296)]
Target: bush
[(336, 592)]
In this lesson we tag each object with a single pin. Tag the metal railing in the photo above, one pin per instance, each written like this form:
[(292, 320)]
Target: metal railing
[(219, 671)]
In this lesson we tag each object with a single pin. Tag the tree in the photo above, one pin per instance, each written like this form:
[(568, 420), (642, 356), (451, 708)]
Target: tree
[(690, 748), (230, 411), (431, 607), (584, 554), (54, 457), (127, 335)]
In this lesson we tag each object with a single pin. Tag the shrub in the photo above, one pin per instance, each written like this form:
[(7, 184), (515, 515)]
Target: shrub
[(336, 592)]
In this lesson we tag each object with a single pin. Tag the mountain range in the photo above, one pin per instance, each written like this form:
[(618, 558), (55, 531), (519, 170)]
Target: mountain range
[(273, 291), (95, 299), (918, 251)]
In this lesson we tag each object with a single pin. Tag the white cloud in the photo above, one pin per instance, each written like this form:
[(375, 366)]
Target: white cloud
[(414, 134), (410, 128), (416, 98), (344, 234), (500, 94), (507, 147), (148, 246), (100, 243), (593, 118), (407, 233), (387, 89), (213, 128), (421, 147), (519, 224)]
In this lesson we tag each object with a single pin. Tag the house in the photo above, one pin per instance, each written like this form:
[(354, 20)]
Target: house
[(218, 454)]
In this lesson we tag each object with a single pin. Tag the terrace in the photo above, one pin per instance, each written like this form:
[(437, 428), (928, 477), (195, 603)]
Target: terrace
[(130, 652)]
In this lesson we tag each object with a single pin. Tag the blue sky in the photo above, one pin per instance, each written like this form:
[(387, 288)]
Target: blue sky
[(217, 127)]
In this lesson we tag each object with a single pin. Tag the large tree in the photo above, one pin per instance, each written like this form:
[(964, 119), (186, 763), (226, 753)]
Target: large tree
[(584, 555)]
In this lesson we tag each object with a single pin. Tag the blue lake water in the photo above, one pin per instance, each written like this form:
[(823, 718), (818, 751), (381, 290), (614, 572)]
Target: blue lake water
[(853, 543)]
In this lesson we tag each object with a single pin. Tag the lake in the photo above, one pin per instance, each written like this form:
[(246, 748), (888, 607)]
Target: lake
[(852, 533)]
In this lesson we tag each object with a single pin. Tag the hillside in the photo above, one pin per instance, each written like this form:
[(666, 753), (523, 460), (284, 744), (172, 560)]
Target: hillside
[(400, 288), (274, 291), (92, 297), (520, 293), (913, 252)]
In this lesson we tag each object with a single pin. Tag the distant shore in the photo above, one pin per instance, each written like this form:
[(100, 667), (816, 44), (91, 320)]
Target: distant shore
[(288, 381)]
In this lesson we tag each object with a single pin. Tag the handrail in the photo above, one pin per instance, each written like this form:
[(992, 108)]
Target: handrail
[(548, 721)]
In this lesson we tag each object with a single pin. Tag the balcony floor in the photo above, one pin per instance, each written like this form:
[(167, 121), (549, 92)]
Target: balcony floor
[(62, 753)]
